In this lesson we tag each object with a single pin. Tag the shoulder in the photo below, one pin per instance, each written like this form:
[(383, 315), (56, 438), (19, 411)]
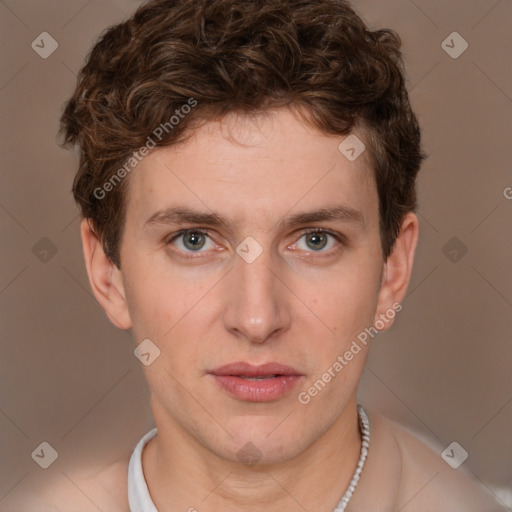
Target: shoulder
[(110, 486), (427, 482), (103, 488)]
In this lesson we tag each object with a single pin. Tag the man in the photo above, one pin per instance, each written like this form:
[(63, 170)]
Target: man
[(246, 182)]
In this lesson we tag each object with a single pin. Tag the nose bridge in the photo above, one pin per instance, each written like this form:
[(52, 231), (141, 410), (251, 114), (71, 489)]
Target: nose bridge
[(257, 307)]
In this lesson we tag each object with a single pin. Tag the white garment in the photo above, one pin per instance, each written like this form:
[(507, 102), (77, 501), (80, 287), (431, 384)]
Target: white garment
[(138, 492)]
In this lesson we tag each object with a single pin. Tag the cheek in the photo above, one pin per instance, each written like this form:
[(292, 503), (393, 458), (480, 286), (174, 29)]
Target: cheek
[(164, 306), (346, 301), (151, 313), (153, 300)]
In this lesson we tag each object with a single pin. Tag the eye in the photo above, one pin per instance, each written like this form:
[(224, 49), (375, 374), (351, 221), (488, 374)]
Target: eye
[(192, 240), (317, 240)]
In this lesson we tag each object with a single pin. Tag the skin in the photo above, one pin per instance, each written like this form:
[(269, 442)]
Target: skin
[(300, 303)]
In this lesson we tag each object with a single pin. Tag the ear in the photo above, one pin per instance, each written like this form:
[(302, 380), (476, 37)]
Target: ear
[(397, 272), (105, 278)]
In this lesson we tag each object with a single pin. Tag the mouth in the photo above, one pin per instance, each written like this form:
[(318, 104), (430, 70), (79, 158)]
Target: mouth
[(261, 377), (250, 383)]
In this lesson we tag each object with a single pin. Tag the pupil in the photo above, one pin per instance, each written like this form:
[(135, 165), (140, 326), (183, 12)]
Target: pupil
[(317, 237), (194, 241)]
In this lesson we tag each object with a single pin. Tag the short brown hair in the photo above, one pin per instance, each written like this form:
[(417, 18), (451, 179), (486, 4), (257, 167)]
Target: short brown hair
[(246, 57)]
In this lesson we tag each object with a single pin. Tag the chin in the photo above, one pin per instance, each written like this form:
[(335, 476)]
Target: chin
[(265, 440)]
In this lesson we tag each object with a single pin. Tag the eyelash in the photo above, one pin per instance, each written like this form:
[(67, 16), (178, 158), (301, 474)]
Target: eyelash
[(337, 236)]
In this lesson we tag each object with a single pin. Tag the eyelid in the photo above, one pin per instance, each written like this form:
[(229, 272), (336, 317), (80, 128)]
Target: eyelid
[(303, 231), (182, 232)]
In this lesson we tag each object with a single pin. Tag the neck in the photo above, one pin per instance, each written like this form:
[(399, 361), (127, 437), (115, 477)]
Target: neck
[(184, 475)]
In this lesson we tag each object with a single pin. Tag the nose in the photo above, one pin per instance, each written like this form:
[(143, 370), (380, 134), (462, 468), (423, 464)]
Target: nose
[(257, 308)]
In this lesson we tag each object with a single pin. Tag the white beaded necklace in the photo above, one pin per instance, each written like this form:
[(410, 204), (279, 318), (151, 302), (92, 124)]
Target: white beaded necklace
[(364, 427)]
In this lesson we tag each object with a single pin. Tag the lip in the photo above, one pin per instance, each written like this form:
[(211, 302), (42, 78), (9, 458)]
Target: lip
[(250, 370), (281, 379)]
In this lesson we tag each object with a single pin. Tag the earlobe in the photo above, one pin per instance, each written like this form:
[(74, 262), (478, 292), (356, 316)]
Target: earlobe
[(105, 278), (398, 267)]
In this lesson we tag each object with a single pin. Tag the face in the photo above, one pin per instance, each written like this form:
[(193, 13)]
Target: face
[(255, 242)]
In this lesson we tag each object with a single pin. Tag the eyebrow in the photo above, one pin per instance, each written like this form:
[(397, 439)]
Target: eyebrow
[(183, 214), (340, 213), (186, 215)]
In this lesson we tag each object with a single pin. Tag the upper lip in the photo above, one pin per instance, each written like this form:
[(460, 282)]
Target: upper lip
[(250, 370)]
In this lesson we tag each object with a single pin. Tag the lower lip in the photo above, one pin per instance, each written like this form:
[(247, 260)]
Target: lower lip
[(264, 390)]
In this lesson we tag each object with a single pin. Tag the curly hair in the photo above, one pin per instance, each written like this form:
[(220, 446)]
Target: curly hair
[(245, 57)]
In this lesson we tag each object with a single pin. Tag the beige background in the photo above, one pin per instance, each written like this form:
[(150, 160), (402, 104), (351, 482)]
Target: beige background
[(68, 377)]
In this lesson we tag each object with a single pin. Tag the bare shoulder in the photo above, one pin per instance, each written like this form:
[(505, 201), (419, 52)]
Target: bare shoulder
[(428, 483), (110, 486), (103, 488)]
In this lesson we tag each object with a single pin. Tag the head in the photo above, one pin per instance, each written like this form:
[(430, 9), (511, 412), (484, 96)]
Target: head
[(229, 118)]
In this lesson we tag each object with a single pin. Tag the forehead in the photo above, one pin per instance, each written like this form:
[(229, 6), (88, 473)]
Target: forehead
[(260, 166)]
